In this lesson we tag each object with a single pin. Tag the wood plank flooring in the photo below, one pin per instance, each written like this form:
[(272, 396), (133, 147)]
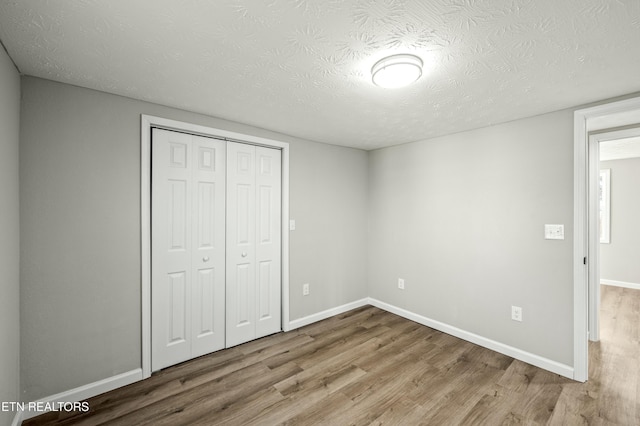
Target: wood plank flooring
[(368, 366)]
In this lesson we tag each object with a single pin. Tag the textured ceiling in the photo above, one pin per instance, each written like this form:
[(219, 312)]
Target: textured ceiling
[(620, 149), (301, 67)]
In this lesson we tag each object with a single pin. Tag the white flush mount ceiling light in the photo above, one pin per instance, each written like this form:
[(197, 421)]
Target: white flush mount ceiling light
[(396, 71)]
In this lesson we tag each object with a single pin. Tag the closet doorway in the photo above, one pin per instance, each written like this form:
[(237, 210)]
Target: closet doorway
[(216, 241)]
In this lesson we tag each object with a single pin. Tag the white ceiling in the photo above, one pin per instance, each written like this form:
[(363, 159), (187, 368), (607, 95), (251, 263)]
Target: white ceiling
[(301, 67), (620, 149)]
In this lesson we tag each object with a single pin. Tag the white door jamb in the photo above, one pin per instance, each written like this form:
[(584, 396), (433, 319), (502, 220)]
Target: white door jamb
[(599, 117)]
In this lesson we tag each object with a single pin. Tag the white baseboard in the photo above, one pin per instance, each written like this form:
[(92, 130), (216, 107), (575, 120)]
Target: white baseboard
[(17, 420), (620, 284), (301, 322), (84, 392), (529, 358)]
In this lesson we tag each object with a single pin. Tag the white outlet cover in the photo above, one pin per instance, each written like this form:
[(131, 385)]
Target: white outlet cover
[(554, 232), (292, 225), (516, 313)]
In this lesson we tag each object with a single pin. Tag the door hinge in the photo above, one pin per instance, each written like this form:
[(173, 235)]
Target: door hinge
[(584, 261)]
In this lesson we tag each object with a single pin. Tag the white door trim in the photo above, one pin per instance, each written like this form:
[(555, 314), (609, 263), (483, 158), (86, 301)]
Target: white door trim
[(146, 123), (594, 243), (599, 117)]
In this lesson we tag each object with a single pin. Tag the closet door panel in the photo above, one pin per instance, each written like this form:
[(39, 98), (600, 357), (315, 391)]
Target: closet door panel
[(208, 235), (171, 273), (188, 247), (241, 231), (268, 241)]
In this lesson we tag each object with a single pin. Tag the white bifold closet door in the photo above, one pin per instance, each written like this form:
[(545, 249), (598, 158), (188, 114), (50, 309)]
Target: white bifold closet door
[(253, 242), (216, 245), (188, 247)]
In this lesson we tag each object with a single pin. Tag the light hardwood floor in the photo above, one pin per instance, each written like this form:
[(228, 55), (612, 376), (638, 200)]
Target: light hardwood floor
[(372, 367)]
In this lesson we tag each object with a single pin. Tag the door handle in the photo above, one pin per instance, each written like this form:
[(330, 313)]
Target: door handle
[(205, 259), (244, 254)]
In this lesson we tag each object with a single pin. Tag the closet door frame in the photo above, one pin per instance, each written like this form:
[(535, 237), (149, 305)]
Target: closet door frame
[(147, 122)]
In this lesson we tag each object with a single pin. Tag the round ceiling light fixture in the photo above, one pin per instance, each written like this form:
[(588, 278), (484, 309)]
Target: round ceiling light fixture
[(396, 71)]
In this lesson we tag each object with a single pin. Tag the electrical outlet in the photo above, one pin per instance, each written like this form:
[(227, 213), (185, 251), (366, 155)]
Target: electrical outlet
[(400, 283), (305, 289), (516, 313)]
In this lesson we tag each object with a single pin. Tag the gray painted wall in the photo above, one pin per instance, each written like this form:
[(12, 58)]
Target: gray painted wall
[(329, 245), (9, 236), (80, 204), (619, 259), (461, 219)]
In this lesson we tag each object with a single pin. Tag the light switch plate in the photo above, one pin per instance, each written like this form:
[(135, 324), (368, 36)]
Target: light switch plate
[(292, 225), (554, 232)]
